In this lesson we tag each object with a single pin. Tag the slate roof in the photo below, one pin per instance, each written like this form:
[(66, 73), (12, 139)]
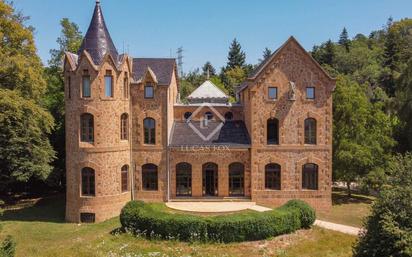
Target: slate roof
[(233, 134), (208, 90), (162, 67), (97, 41)]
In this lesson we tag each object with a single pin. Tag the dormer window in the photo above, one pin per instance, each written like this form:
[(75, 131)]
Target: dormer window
[(273, 93), (310, 93), (148, 91), (86, 90), (108, 84)]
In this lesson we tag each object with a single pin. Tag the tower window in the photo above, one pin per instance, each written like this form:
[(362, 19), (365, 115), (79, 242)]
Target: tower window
[(69, 87), (208, 115), (88, 182), (124, 126), (126, 87), (87, 128), (86, 90), (148, 91), (108, 84)]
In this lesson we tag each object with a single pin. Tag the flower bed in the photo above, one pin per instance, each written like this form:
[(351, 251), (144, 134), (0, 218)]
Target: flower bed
[(139, 217)]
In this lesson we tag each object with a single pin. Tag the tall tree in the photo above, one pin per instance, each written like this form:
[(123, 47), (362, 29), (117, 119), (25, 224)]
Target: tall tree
[(20, 67), (362, 133), (69, 41), (236, 57), (344, 39), (208, 69), (26, 152)]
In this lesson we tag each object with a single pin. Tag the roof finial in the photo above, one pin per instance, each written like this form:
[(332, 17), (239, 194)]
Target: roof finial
[(97, 1), (208, 73)]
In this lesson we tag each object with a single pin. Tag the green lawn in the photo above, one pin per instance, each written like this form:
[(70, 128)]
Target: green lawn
[(39, 230), (348, 210)]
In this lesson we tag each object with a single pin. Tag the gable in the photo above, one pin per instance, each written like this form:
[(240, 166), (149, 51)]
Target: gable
[(293, 44)]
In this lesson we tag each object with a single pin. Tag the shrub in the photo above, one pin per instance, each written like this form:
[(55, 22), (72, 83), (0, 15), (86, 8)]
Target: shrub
[(8, 247), (154, 222), (389, 227), (307, 213)]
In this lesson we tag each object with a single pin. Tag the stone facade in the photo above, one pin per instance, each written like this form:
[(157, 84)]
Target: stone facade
[(107, 154)]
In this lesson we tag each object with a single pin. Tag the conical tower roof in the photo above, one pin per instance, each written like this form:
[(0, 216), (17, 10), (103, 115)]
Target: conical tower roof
[(97, 41)]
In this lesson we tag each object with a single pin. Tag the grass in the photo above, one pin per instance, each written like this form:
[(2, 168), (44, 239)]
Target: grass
[(39, 230), (346, 210)]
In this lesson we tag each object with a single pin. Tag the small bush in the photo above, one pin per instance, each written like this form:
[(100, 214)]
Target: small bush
[(8, 247), (307, 213), (154, 222)]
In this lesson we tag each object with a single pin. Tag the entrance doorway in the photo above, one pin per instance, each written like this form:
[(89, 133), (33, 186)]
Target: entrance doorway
[(210, 178), (236, 179)]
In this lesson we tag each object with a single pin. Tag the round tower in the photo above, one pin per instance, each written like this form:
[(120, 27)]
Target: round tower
[(98, 122)]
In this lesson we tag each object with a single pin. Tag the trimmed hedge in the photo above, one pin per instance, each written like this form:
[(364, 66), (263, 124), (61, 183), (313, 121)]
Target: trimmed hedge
[(154, 222)]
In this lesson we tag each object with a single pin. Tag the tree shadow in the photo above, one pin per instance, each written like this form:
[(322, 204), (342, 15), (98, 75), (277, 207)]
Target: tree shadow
[(340, 197), (48, 209)]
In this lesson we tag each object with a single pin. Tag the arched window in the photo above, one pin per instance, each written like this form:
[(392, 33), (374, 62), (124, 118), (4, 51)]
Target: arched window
[(149, 177), (88, 182), (124, 126), (272, 176), (310, 131), (229, 116), (183, 179), (208, 115), (273, 131), (87, 128), (310, 176), (125, 178), (149, 131), (236, 179), (187, 115)]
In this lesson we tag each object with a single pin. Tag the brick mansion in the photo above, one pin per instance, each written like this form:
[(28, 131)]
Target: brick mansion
[(129, 136)]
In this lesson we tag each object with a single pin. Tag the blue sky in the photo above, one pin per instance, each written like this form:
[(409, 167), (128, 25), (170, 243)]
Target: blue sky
[(156, 28)]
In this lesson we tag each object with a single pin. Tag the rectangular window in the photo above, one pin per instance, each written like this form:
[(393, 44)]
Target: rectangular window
[(126, 87), (148, 91), (310, 93), (86, 91), (273, 93), (108, 86), (69, 87), (86, 217)]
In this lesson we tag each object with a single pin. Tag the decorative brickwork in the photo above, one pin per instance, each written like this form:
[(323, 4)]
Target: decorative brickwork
[(290, 69)]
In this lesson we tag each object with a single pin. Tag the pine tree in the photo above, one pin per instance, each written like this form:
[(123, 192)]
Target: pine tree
[(344, 39), (208, 69), (236, 57), (266, 54), (329, 55)]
